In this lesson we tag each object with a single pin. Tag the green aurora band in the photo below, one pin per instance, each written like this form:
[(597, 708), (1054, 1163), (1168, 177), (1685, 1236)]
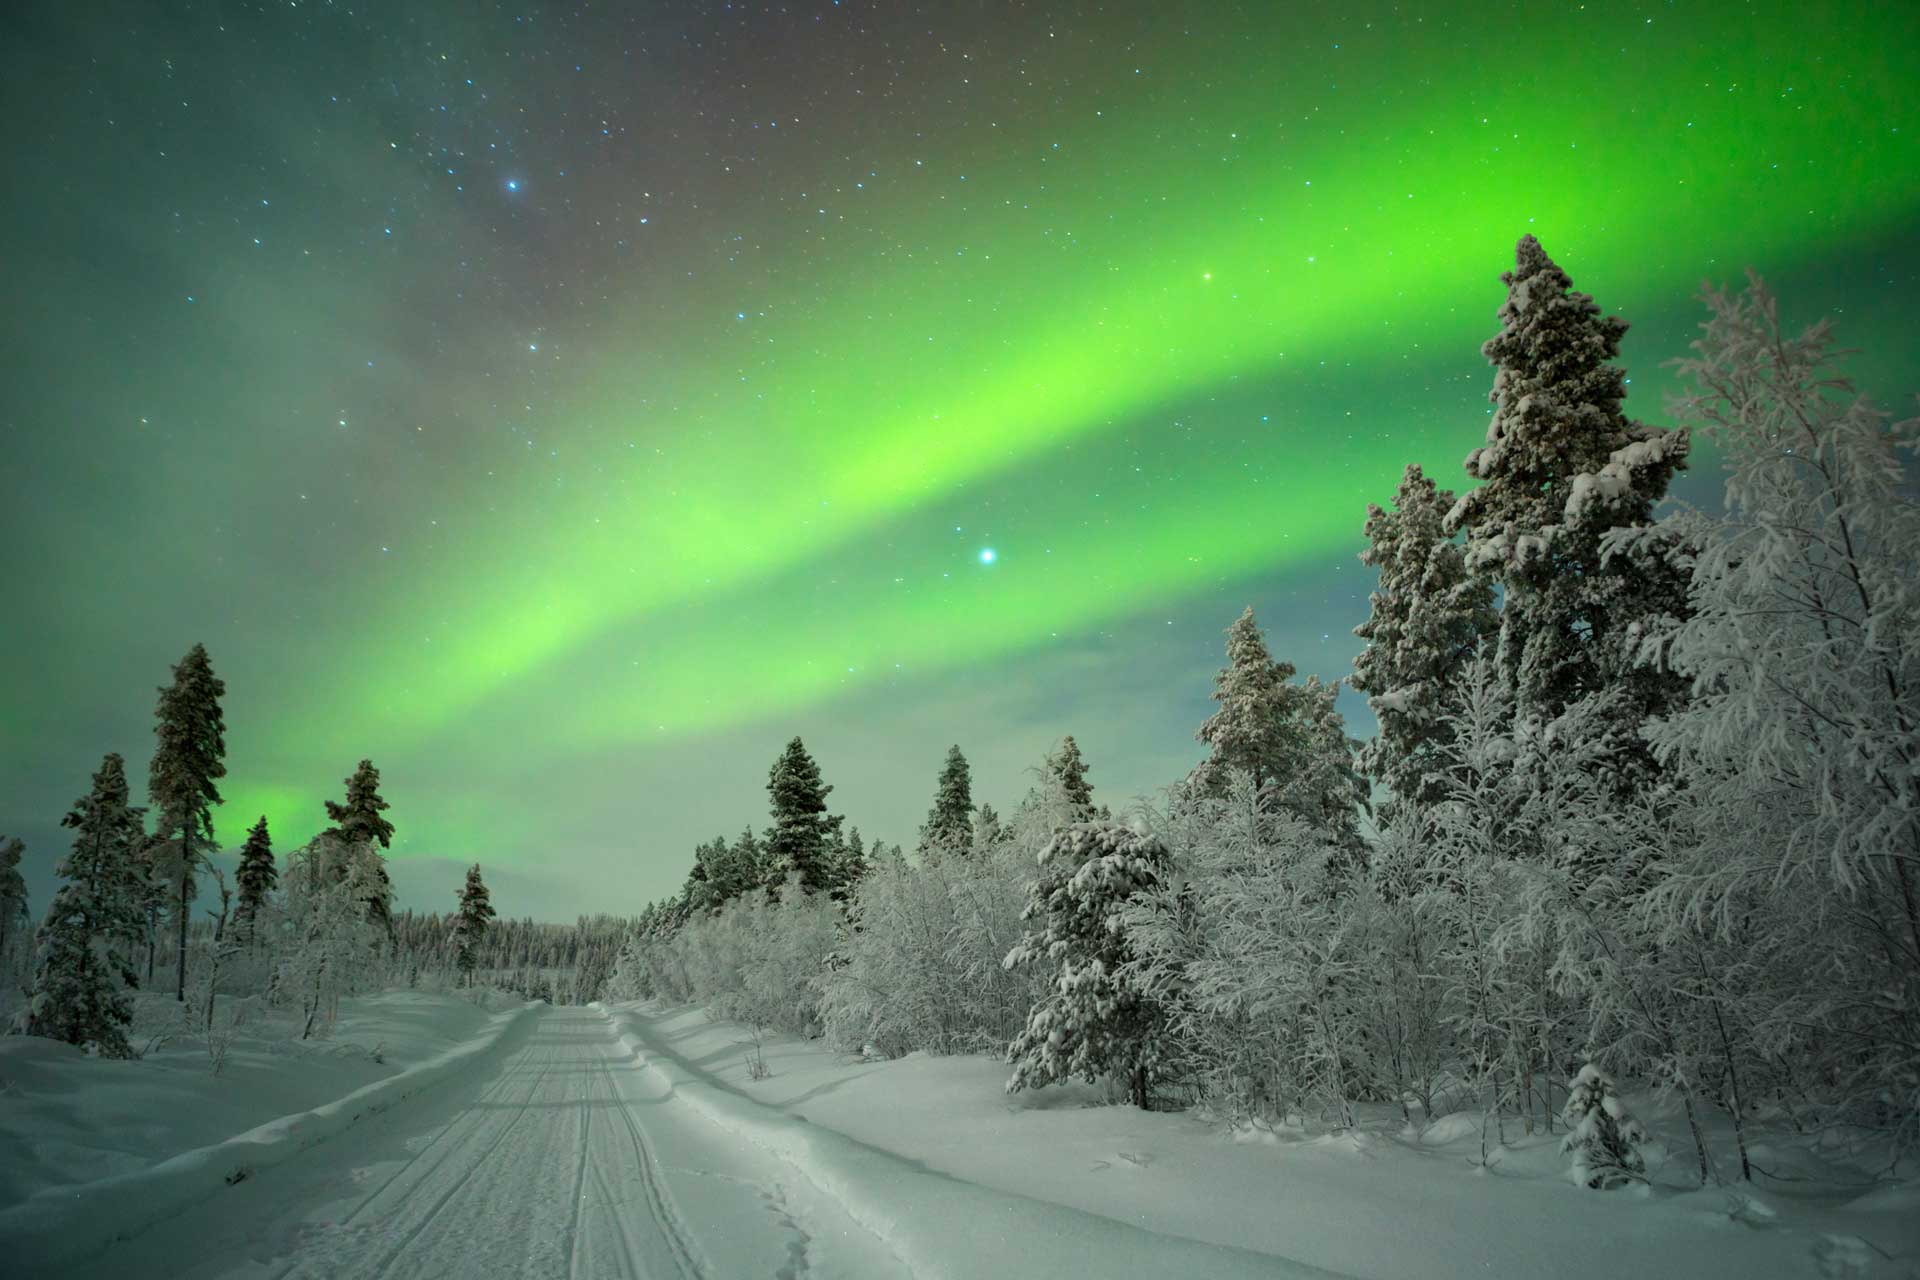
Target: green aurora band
[(1176, 335)]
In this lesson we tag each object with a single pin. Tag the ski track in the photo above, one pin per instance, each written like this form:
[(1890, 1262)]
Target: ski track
[(547, 1172)]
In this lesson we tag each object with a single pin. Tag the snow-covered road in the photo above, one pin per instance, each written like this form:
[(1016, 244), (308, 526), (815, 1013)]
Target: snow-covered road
[(564, 1158)]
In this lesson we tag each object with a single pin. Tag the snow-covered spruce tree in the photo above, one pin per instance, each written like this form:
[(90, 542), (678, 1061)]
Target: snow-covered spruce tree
[(358, 824), (84, 960), (1286, 736), (1428, 616), (1802, 739), (1602, 1135), (187, 762), (14, 920), (798, 839), (470, 922), (1563, 466), (257, 875), (1096, 1022), (949, 824)]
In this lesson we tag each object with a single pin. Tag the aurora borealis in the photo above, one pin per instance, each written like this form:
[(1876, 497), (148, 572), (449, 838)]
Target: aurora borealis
[(566, 405)]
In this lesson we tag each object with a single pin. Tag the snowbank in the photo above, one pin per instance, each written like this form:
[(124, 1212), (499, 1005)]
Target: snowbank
[(928, 1151), (936, 1224), (55, 1089)]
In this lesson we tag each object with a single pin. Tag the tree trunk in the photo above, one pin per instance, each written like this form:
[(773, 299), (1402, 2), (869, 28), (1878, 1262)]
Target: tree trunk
[(186, 882)]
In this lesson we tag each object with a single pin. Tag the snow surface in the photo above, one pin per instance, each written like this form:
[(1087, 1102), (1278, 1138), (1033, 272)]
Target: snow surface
[(633, 1140)]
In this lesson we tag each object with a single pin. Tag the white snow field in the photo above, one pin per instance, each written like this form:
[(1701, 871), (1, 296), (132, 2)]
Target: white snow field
[(633, 1141)]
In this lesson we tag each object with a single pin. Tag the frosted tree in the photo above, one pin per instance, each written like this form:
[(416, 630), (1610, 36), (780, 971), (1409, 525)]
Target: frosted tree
[(1428, 615), (988, 831), (358, 823), (1602, 1135), (797, 842), (1801, 741), (84, 961), (1095, 1022), (187, 763), (1266, 971), (1287, 737), (921, 969), (332, 939), (847, 863), (1561, 467), (470, 921), (949, 824), (14, 920), (257, 875)]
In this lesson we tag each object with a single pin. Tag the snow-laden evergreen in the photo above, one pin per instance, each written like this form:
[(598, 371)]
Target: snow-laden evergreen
[(1427, 618), (1096, 1021), (84, 965), (1602, 1136), (1562, 466)]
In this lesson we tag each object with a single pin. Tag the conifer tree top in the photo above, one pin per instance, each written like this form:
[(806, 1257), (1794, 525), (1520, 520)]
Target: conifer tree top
[(950, 821), (1559, 438), (359, 818), (191, 741)]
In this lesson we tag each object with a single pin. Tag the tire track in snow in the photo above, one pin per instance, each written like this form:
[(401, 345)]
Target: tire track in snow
[(385, 1267), (673, 1225), (580, 1185), (475, 1113)]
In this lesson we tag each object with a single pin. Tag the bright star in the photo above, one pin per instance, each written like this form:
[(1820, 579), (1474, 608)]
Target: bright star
[(987, 556), (513, 184)]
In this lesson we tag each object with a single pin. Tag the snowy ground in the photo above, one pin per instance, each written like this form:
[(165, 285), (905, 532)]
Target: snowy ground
[(634, 1142), (1379, 1204), (66, 1118)]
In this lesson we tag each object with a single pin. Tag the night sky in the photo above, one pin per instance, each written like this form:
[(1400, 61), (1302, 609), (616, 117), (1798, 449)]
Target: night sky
[(566, 405)]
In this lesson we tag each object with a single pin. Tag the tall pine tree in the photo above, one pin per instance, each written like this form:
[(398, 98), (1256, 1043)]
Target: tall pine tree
[(85, 954), (949, 825), (797, 843), (1562, 467), (1428, 617), (470, 923), (257, 876), (188, 760), (358, 824)]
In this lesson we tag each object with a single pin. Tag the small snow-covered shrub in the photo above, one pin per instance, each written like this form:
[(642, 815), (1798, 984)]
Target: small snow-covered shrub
[(1602, 1135)]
